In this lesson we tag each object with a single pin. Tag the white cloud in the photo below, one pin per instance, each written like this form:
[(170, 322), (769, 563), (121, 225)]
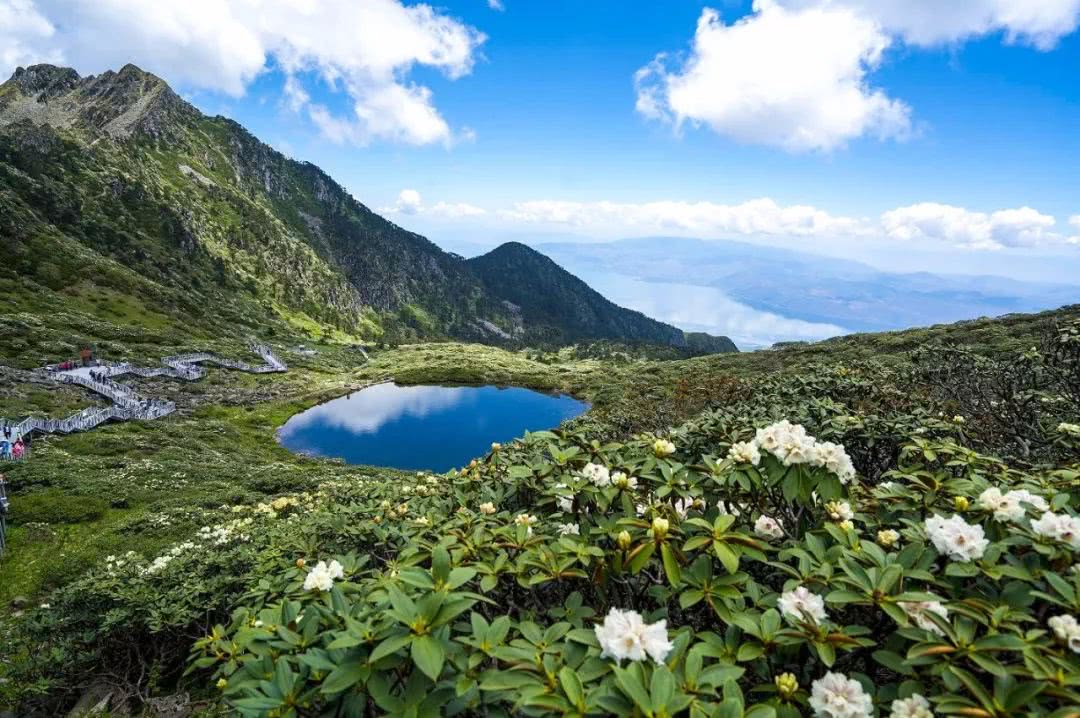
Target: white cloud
[(1040, 23), (927, 222), (22, 28), (1023, 227), (409, 202), (795, 78), (795, 73), (366, 49), (757, 216), (496, 5)]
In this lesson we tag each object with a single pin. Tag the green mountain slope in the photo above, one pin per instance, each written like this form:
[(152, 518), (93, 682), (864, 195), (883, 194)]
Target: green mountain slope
[(120, 201), (560, 308)]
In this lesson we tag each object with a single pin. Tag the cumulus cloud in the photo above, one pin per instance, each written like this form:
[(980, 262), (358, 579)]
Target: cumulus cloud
[(409, 202), (1039, 23), (364, 49), (924, 222), (794, 78), (796, 73), (757, 216), (496, 5), (1022, 227)]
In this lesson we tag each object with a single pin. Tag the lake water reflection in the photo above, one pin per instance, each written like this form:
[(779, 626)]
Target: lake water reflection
[(433, 428)]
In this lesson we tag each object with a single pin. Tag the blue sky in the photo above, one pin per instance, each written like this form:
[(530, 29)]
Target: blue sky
[(918, 138)]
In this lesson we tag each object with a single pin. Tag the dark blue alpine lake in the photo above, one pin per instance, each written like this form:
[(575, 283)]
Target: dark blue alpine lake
[(436, 428)]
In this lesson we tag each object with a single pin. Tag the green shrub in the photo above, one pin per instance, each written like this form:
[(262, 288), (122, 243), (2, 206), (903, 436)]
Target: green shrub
[(55, 507)]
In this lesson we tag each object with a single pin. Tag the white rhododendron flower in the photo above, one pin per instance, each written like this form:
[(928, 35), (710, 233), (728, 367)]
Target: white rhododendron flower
[(837, 696), (624, 635), (569, 530), (597, 474), (322, 576), (1010, 506), (768, 527), (663, 447), (1067, 629), (956, 538), (792, 445), (839, 511), (745, 452), (834, 458), (1059, 527), (802, 605), (1026, 497), (487, 508), (914, 707), (917, 611), (1005, 507), (622, 481)]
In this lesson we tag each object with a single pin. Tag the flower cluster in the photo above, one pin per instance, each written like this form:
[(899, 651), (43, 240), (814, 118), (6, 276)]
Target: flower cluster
[(914, 706), (1062, 528), (791, 444), (1067, 630), (598, 474), (322, 576), (1009, 506), (802, 605), (768, 527), (624, 635), (956, 538), (837, 696)]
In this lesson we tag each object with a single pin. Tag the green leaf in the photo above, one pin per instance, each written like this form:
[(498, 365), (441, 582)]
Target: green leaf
[(571, 686), (671, 565), (344, 676), (390, 645), (429, 655)]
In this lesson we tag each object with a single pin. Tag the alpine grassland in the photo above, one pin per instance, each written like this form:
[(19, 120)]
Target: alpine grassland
[(875, 525)]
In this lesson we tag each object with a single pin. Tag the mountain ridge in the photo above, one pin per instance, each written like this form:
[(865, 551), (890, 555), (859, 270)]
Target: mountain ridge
[(212, 217)]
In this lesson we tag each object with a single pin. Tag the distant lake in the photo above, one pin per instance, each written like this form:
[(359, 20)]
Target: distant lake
[(434, 428)]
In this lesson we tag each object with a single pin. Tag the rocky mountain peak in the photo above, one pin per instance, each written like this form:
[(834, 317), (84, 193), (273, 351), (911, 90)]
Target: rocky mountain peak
[(45, 81), (131, 102)]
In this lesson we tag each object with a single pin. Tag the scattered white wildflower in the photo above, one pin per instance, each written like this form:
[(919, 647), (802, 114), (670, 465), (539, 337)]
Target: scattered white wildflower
[(847, 525), (956, 538), (1026, 497), (663, 447), (597, 474), (1067, 629), (839, 511), (834, 458), (1059, 527), (768, 527), (422, 521), (745, 452), (159, 564), (959, 419), (322, 576), (913, 707), (625, 635), (569, 530), (917, 611), (45, 606), (837, 696), (621, 480), (487, 508), (803, 605)]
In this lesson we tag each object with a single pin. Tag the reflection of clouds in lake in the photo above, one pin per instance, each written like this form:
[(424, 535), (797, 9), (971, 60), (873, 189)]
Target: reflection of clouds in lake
[(368, 409), (706, 309)]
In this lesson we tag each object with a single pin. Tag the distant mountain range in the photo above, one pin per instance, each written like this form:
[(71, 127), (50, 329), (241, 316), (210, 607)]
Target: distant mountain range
[(812, 288), (112, 185)]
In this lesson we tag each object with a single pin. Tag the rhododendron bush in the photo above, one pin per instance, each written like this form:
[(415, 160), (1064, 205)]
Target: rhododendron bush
[(768, 558)]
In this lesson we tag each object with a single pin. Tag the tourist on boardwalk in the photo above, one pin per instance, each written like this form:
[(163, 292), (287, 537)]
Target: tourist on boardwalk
[(18, 450), (5, 449)]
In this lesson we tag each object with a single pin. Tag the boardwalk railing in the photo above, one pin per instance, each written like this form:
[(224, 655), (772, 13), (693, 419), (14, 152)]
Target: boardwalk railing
[(126, 403)]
